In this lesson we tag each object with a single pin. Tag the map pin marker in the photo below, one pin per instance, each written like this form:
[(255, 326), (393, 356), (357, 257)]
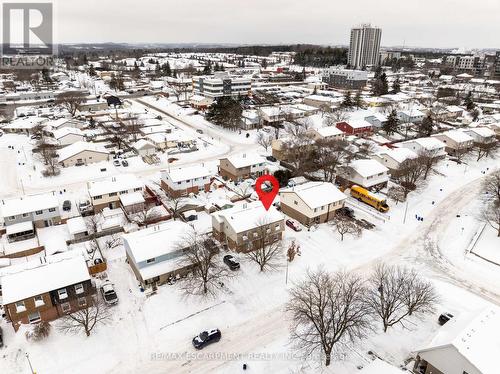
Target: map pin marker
[(267, 197)]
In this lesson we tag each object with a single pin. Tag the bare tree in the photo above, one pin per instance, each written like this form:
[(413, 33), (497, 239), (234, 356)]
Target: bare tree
[(175, 204), (491, 187), (485, 149), (48, 155), (410, 175), (346, 226), (462, 151), (93, 223), (206, 273), (396, 293), (95, 312), (264, 245), (329, 154), (428, 158), (397, 193), (264, 140), (336, 116), (328, 311), (491, 215), (146, 216), (70, 100)]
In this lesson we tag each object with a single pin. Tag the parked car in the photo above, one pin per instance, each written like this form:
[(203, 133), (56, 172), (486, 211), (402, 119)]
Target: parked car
[(124, 163), (231, 262), (199, 131), (108, 293), (266, 129), (346, 211), (84, 206), (271, 158), (445, 317), (206, 337), (1, 133), (293, 225), (66, 205), (172, 159), (116, 162), (1, 338)]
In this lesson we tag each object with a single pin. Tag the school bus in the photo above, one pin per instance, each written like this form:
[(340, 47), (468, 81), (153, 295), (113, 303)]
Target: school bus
[(368, 198)]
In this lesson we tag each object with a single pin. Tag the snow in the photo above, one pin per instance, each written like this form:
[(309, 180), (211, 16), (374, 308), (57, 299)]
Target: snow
[(367, 168), (317, 194), (28, 204), (378, 366), (245, 159), (132, 198), (399, 154), (122, 182), (474, 336), (76, 225), (430, 143), (188, 173), (78, 147), (457, 136), (19, 227), (58, 134), (143, 144), (329, 131), (157, 240), (44, 278), (249, 216)]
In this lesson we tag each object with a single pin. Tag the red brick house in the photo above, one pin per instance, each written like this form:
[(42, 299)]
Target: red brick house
[(46, 289), (359, 128)]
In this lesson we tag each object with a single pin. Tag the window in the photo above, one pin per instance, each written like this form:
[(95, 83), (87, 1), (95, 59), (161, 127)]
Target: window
[(277, 227), (20, 307), (97, 197), (123, 192), (66, 307), (62, 293), (38, 301), (12, 218), (25, 215), (79, 288), (34, 317), (138, 189), (38, 212), (150, 260), (52, 209), (112, 194), (82, 301), (295, 202)]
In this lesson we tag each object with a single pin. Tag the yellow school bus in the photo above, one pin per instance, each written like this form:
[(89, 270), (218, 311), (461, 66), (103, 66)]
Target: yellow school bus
[(368, 198)]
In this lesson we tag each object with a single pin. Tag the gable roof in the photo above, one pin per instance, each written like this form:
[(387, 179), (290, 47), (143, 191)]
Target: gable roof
[(366, 168), (245, 160), (187, 173), (249, 216), (317, 194), (79, 147), (28, 204)]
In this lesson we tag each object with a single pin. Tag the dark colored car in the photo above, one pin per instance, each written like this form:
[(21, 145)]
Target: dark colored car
[(206, 338), (124, 163), (293, 225), (230, 261), (1, 338), (271, 158), (66, 205), (445, 317), (346, 211)]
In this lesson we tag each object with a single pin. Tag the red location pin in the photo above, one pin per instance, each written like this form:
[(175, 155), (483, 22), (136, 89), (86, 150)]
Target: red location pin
[(267, 197)]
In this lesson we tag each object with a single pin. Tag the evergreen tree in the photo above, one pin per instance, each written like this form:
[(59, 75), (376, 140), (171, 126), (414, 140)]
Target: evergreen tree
[(380, 85), (396, 86), (347, 102), (92, 72), (358, 101), (391, 125), (168, 70), (468, 102), (225, 112), (426, 126)]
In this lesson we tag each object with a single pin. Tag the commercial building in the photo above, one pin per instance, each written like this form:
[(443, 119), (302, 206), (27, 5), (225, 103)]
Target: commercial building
[(339, 77), (364, 46), (221, 84)]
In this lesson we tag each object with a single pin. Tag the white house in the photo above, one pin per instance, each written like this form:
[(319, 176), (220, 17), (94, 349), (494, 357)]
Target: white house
[(144, 147), (411, 116), (82, 153), (328, 133), (481, 135), (365, 173), (468, 343), (455, 141), (106, 193), (430, 145), (186, 180), (68, 135), (392, 158)]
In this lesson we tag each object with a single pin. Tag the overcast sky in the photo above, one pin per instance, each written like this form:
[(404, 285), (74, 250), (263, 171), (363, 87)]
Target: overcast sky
[(426, 23)]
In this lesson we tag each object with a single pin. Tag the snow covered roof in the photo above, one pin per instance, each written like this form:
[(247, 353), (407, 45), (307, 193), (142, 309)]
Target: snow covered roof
[(28, 204), (249, 216), (19, 227), (317, 194), (132, 198), (378, 366), (143, 144), (474, 336), (59, 133), (123, 182), (329, 131), (188, 173), (481, 131), (76, 225), (157, 240), (429, 143), (245, 160), (454, 109), (456, 135), (78, 147), (399, 154), (358, 123), (367, 168), (44, 278)]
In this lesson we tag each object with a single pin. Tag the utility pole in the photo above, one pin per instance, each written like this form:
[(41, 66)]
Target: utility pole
[(29, 362), (406, 209)]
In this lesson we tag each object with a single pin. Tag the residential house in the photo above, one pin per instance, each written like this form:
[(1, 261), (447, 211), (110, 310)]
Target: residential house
[(82, 153), (481, 135), (242, 166), (456, 142), (364, 173), (376, 119), (155, 254), (247, 226), (144, 147), (49, 289), (328, 133), (355, 127), (411, 116), (40, 210), (93, 105), (61, 123), (106, 193), (454, 112), (68, 135), (133, 202), (392, 158), (312, 202), (428, 146), (186, 180), (466, 344)]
